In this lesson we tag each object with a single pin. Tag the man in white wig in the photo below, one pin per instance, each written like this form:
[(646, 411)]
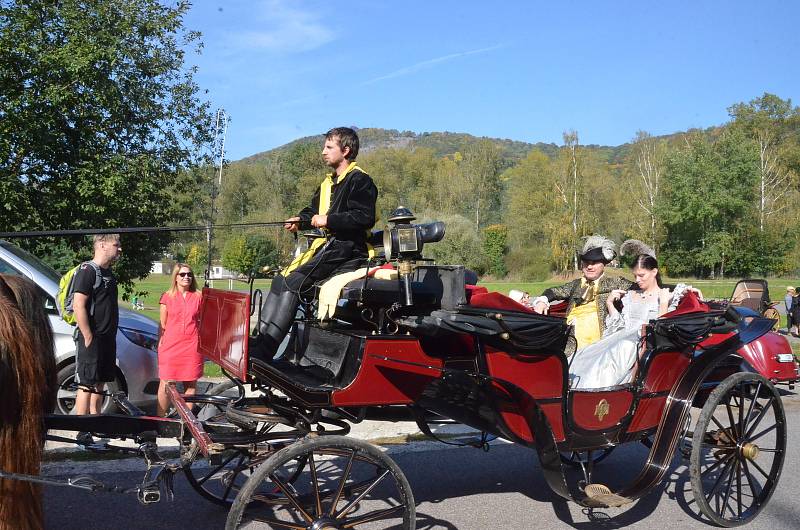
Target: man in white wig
[(586, 296)]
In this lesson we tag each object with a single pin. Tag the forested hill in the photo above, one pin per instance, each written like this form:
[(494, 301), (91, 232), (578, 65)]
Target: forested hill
[(716, 201), (442, 143)]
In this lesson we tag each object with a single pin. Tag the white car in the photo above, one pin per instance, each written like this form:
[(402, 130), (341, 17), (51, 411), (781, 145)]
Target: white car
[(137, 338)]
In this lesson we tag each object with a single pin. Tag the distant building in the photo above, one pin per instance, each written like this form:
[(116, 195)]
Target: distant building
[(162, 267), (218, 272)]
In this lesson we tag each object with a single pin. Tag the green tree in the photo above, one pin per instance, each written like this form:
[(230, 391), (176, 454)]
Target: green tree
[(710, 215), (480, 169), (197, 258), (644, 175), (461, 245), (264, 252), (236, 256), (300, 170), (99, 120), (495, 241), (765, 120)]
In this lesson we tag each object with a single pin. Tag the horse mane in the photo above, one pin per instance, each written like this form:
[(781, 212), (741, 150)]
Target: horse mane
[(31, 303), (23, 400)]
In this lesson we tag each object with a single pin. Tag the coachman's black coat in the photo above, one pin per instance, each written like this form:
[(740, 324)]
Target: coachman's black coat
[(350, 216)]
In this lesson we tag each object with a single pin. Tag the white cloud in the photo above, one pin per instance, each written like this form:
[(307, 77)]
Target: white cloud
[(284, 28), (422, 65)]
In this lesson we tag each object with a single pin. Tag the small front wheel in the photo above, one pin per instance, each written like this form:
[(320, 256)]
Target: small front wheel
[(330, 482), (738, 447)]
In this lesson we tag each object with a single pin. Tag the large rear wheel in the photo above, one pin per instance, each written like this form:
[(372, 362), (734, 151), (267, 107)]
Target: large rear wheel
[(325, 482), (738, 448)]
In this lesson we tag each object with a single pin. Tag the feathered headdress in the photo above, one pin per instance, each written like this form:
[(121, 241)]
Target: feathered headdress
[(634, 247), (598, 248)]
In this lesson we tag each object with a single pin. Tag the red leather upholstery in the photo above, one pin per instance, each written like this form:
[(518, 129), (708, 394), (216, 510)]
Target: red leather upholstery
[(497, 301)]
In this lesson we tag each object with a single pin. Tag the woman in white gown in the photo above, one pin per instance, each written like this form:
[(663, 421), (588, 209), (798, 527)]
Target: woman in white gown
[(609, 361)]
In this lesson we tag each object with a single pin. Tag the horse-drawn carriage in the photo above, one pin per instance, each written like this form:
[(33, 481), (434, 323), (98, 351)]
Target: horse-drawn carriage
[(429, 347)]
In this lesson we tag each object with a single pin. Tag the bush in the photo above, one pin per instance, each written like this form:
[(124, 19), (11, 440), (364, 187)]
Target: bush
[(460, 246), (531, 264)]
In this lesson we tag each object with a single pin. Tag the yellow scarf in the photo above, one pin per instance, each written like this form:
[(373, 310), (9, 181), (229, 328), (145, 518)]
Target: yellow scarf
[(325, 194)]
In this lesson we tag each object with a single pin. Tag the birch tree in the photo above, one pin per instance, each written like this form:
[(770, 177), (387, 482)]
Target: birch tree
[(568, 188), (764, 120), (645, 181), (481, 170)]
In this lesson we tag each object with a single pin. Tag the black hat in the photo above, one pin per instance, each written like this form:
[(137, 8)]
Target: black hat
[(598, 248)]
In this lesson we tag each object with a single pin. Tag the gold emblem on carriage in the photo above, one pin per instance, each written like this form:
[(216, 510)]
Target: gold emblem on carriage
[(601, 410)]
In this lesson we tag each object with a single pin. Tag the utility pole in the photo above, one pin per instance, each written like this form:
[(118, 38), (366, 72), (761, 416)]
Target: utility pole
[(220, 133)]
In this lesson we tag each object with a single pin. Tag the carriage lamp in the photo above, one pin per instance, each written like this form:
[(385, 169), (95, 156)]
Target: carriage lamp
[(403, 241)]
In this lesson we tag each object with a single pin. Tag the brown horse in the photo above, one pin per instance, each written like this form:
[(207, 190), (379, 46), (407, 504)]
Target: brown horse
[(27, 391)]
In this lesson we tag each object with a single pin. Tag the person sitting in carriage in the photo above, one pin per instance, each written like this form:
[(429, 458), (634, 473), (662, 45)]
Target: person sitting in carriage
[(610, 361), (586, 296), (343, 208)]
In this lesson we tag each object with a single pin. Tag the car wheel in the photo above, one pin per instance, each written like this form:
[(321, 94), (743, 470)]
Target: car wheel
[(65, 398)]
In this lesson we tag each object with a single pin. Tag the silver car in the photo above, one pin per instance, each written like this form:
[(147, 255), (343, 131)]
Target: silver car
[(137, 338)]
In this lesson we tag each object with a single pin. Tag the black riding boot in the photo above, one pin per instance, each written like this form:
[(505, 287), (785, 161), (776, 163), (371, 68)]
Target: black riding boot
[(277, 316), (268, 306)]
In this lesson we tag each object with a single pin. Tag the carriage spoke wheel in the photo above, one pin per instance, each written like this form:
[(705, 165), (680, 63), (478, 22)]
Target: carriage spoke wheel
[(220, 482), (738, 447), (338, 483)]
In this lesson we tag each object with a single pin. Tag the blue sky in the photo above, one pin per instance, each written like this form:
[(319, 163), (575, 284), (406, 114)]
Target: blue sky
[(510, 69)]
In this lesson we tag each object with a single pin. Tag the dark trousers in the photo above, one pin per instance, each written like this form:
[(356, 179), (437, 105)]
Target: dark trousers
[(280, 306)]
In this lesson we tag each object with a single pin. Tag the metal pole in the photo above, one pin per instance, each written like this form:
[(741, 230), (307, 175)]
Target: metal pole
[(219, 140)]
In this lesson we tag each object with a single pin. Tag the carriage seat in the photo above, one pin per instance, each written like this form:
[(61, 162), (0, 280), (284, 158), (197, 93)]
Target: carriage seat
[(432, 286)]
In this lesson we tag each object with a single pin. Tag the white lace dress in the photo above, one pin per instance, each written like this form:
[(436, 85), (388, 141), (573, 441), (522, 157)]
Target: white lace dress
[(609, 361)]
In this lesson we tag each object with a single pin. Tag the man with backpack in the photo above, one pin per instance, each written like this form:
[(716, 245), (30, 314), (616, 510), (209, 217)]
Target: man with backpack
[(94, 305)]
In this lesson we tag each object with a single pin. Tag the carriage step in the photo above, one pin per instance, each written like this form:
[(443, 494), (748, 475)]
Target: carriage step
[(599, 496)]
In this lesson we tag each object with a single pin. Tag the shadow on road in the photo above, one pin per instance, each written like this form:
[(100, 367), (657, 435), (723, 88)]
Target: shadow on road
[(440, 476)]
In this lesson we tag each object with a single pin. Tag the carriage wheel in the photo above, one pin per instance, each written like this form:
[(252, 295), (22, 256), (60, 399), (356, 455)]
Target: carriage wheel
[(738, 447), (220, 483), (773, 314), (339, 483)]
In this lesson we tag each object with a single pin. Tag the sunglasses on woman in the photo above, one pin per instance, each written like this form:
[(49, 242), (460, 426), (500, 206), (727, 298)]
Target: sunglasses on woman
[(186, 274)]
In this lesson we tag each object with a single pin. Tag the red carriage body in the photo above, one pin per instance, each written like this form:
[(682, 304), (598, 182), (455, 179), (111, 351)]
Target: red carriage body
[(453, 374)]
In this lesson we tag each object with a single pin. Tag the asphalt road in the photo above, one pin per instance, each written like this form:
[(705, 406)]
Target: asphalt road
[(455, 488)]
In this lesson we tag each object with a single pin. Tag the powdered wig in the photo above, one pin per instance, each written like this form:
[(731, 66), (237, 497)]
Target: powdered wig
[(22, 402)]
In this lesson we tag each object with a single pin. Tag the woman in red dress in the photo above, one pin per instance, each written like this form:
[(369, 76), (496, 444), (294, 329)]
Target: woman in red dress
[(178, 357)]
